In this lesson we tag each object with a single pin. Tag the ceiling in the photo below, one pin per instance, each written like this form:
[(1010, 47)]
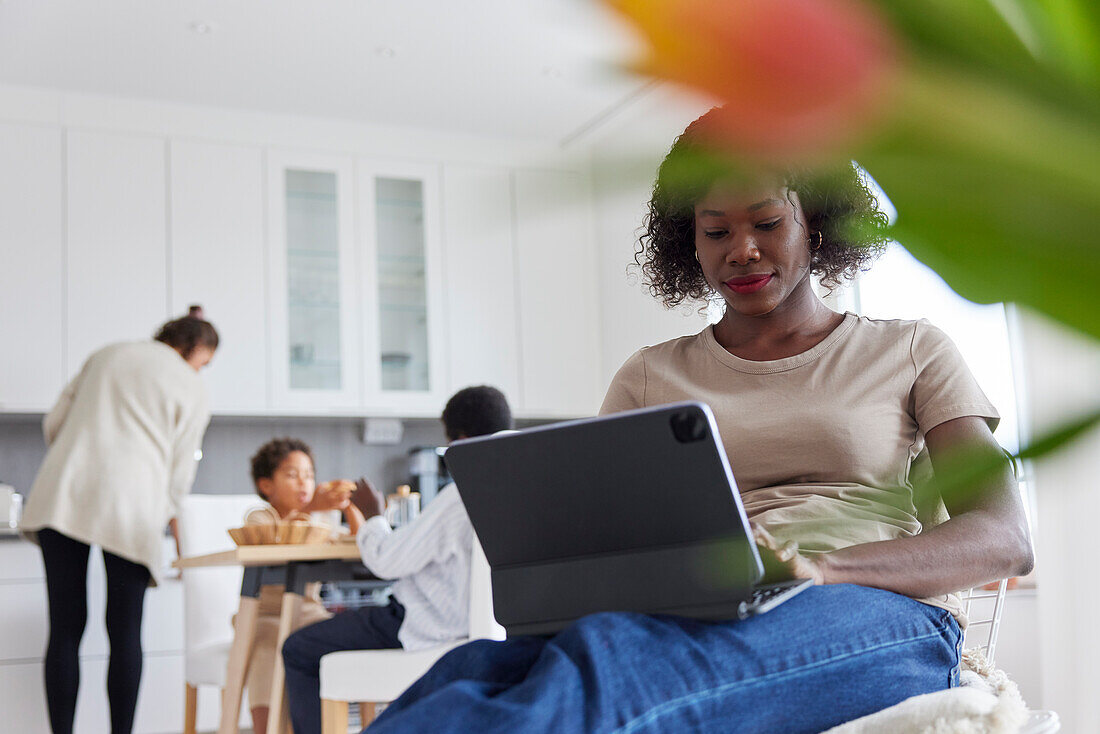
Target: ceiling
[(532, 69)]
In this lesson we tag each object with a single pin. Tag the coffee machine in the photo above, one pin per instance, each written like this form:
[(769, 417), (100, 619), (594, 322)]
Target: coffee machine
[(427, 472)]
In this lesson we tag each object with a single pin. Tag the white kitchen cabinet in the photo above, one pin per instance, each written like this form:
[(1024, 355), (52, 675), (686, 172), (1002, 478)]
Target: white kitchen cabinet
[(23, 608), (32, 274), (479, 269), (159, 708), (20, 561), (339, 285), (23, 616), (117, 250), (557, 298), (23, 697), (217, 260), (404, 335), (313, 292)]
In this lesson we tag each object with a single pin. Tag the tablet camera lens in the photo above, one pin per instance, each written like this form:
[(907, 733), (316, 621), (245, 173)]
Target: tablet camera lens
[(688, 427)]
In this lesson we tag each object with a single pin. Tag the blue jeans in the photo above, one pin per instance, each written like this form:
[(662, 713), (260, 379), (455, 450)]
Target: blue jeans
[(369, 628), (829, 655)]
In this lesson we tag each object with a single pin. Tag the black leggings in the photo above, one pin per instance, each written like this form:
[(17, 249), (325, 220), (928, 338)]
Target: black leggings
[(66, 563)]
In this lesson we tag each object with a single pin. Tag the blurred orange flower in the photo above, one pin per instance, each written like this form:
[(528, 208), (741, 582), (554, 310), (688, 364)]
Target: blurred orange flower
[(797, 76)]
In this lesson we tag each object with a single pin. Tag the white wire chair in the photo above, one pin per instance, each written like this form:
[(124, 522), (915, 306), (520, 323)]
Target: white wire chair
[(979, 623), (983, 608)]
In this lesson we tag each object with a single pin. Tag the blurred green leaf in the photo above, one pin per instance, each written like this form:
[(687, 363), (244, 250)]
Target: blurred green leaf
[(969, 471), (993, 157), (998, 196), (991, 153), (1067, 35), (1024, 44), (961, 33)]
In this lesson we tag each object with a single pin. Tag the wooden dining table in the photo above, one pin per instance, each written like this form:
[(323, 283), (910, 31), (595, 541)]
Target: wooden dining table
[(291, 566)]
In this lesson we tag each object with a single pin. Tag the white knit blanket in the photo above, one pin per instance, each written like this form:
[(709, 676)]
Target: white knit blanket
[(985, 702)]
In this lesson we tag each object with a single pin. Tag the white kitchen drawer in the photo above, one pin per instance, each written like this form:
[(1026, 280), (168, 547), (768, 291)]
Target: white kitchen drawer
[(24, 615), (160, 701), (23, 698), (162, 625), (23, 619), (23, 608), (20, 560)]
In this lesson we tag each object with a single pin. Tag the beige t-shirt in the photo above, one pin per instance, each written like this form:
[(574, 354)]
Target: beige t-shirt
[(822, 444)]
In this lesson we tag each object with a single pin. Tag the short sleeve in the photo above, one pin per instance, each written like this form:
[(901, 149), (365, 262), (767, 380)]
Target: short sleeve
[(627, 389), (943, 386)]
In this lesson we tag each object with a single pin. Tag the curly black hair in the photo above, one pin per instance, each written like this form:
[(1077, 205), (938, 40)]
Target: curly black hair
[(836, 201), (476, 411), (271, 454)]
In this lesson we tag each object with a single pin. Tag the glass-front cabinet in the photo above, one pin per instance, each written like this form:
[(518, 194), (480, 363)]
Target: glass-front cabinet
[(312, 284), (403, 287)]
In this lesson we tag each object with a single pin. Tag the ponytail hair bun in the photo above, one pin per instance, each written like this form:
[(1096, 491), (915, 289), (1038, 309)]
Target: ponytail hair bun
[(188, 332)]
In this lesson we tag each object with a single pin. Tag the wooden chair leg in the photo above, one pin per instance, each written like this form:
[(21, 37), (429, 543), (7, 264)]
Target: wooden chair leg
[(190, 708), (366, 713), (244, 632), (334, 717), (278, 721)]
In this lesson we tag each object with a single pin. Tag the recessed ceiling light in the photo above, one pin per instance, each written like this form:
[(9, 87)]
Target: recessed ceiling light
[(202, 27), (385, 52)]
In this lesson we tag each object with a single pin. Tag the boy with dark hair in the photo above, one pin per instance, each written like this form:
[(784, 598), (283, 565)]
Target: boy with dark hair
[(430, 558), (476, 411)]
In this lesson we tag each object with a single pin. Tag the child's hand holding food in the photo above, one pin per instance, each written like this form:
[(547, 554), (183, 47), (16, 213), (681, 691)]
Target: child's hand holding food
[(332, 495)]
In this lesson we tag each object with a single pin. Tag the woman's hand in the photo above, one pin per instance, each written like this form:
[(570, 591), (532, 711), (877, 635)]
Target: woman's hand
[(331, 495), (782, 561)]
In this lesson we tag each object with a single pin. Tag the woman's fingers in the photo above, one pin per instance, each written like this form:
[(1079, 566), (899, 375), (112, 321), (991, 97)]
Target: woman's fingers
[(783, 551), (763, 537), (787, 551)]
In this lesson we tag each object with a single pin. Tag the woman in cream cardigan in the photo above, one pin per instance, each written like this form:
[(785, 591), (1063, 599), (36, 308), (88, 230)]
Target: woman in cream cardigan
[(122, 442)]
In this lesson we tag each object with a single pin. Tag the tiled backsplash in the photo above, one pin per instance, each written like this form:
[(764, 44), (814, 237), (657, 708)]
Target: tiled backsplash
[(337, 447)]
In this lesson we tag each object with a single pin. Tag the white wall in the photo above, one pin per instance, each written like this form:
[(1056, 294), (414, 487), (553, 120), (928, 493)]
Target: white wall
[(625, 155), (1062, 380)]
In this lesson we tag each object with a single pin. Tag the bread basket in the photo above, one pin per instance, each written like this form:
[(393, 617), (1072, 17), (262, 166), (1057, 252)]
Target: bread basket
[(263, 526)]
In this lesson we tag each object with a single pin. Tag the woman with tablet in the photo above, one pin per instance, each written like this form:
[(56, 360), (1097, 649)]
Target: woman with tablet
[(829, 422)]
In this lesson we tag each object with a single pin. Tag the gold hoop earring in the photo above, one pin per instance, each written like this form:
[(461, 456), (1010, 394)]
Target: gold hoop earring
[(696, 256), (815, 244)]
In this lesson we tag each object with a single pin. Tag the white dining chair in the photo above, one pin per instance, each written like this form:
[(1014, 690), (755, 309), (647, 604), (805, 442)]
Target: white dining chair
[(380, 676), (210, 595)]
